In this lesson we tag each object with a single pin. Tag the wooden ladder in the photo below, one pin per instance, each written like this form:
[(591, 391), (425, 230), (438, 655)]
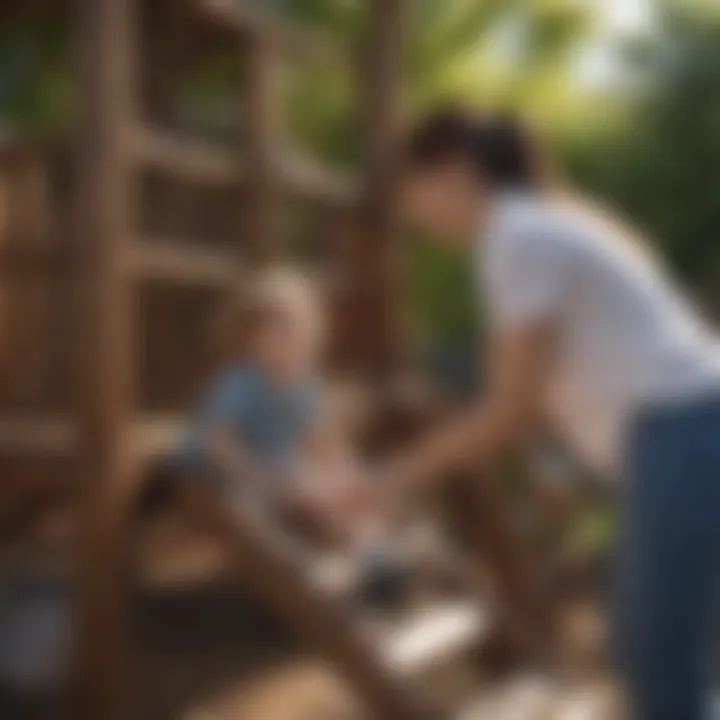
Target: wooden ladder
[(113, 147)]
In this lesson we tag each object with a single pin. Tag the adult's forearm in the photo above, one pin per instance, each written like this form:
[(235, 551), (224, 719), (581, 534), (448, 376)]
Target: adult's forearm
[(473, 438)]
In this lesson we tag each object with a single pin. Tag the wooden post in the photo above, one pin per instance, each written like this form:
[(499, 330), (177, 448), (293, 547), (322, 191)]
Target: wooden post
[(262, 114), (166, 57), (105, 336), (377, 267)]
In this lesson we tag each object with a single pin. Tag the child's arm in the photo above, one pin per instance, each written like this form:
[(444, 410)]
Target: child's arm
[(335, 481), (323, 443)]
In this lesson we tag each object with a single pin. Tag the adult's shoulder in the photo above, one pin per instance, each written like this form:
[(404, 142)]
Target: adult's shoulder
[(532, 229)]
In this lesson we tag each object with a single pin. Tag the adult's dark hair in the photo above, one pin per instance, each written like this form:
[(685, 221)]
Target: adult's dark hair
[(498, 145)]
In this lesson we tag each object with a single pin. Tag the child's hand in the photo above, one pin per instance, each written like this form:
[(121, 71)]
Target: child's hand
[(357, 495)]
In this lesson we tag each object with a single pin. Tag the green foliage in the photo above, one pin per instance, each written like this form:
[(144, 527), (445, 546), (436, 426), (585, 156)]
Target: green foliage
[(443, 299), (442, 36), (36, 90), (662, 165)]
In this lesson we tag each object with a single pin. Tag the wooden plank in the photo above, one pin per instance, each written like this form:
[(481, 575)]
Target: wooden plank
[(105, 330), (194, 160), (181, 263)]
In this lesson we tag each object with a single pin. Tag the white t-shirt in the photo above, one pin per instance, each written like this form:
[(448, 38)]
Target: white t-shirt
[(625, 335)]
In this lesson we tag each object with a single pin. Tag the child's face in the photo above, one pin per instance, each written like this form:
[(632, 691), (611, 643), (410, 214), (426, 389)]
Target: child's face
[(287, 347)]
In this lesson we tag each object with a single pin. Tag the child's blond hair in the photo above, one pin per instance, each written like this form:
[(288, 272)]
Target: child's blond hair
[(272, 294)]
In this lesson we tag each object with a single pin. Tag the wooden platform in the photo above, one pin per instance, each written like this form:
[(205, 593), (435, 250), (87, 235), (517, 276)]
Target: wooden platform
[(301, 691), (308, 691)]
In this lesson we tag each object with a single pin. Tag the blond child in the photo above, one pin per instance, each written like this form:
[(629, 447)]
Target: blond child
[(262, 430)]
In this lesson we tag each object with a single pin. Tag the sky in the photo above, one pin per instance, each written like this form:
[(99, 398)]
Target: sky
[(619, 18), (626, 15)]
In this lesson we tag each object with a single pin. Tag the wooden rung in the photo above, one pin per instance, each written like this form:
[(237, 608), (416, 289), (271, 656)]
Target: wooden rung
[(307, 177), (201, 162), (38, 436), (194, 160), (151, 436), (295, 38), (435, 636), (179, 262)]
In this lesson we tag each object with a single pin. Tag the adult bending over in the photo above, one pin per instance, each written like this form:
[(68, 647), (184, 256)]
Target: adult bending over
[(588, 332)]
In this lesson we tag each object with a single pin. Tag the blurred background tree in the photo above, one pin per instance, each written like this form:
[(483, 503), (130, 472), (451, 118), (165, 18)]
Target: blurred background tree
[(661, 162)]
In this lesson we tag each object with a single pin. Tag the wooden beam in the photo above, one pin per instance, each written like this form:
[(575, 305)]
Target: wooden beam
[(293, 38), (371, 248), (105, 332), (181, 263)]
